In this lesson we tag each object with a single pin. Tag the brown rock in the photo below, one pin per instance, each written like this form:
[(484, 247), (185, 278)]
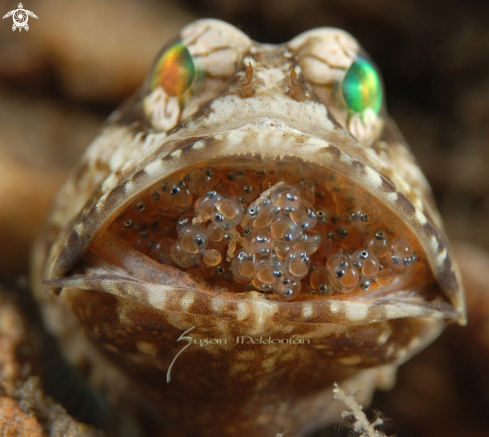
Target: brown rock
[(15, 423), (25, 411)]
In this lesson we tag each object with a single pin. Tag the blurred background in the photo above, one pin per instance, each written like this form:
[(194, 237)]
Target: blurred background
[(80, 59)]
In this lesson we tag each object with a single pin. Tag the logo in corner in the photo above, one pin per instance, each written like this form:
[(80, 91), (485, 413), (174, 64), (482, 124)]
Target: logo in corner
[(20, 17)]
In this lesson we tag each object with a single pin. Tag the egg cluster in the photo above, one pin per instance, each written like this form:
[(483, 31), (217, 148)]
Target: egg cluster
[(268, 230)]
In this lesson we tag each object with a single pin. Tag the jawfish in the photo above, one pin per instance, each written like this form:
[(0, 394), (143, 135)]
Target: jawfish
[(247, 230)]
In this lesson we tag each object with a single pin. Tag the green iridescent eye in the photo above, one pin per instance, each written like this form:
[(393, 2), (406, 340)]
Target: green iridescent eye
[(174, 70), (361, 87)]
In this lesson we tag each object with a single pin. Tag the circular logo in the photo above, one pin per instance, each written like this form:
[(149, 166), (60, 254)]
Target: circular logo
[(20, 17)]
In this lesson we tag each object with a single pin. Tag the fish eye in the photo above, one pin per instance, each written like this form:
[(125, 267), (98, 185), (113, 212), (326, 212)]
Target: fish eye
[(361, 87), (174, 70)]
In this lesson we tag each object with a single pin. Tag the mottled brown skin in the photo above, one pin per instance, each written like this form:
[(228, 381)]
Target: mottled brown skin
[(121, 313), (233, 400)]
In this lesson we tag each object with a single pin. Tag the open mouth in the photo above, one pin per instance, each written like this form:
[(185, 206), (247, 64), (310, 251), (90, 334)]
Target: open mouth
[(289, 229), (260, 219)]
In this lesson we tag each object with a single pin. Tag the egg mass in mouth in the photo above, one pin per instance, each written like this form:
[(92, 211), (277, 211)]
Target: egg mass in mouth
[(291, 230)]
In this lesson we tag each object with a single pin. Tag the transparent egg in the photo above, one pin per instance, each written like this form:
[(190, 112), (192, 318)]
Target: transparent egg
[(307, 192), (228, 213), (141, 243), (365, 219), (297, 264), (377, 244), (290, 173), (305, 216), (162, 250), (180, 196), (260, 285), (318, 276), (269, 271), (206, 269), (319, 281), (193, 239), (262, 215), (286, 289), (243, 265), (215, 233), (399, 253), (205, 204), (245, 187), (385, 276), (287, 197), (184, 220), (181, 257), (282, 248), (160, 200), (343, 276), (284, 227), (259, 241), (268, 181), (312, 241), (366, 262), (201, 180), (211, 257)]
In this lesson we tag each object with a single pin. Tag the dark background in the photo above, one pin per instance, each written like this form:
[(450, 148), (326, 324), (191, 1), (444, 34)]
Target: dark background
[(80, 59)]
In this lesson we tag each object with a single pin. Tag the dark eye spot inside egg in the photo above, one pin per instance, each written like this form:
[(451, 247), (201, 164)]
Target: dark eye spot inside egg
[(283, 228)]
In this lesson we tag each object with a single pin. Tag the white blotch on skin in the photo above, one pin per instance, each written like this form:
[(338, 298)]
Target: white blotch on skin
[(176, 153), (100, 205), (441, 257), (383, 337), (307, 311), (218, 306), (356, 311), (434, 244), (129, 187), (242, 311), (373, 179), (110, 182), (79, 228), (262, 311), (199, 145), (335, 307), (156, 297), (421, 217), (391, 197), (344, 157), (154, 167), (187, 300)]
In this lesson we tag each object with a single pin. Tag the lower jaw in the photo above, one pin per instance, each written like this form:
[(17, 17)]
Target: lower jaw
[(335, 241), (245, 385)]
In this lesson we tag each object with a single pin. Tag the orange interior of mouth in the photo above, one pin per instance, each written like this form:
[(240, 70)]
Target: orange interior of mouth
[(284, 228)]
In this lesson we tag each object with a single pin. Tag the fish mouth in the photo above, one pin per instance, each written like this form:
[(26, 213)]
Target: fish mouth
[(262, 218)]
